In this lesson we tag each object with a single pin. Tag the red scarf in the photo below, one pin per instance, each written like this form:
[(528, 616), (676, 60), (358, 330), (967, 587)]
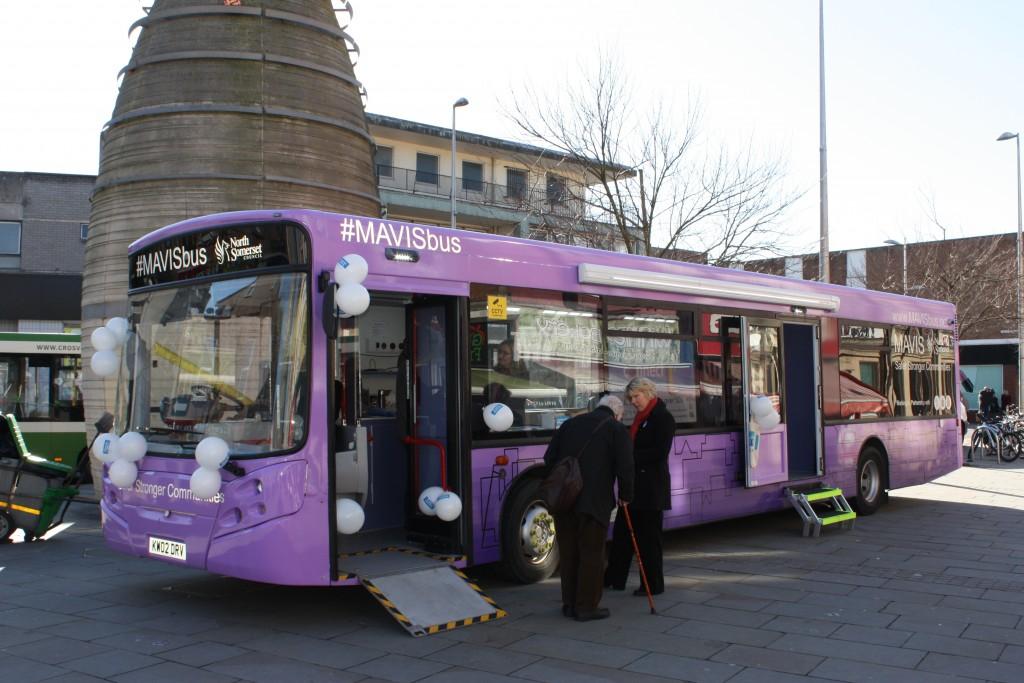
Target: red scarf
[(641, 417)]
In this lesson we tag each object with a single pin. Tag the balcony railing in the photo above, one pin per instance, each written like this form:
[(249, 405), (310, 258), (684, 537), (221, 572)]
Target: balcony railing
[(515, 197)]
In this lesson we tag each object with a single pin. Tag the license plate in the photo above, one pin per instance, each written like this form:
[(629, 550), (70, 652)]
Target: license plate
[(166, 548)]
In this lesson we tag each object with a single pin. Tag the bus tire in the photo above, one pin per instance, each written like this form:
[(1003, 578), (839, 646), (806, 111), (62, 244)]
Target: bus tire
[(872, 479), (7, 526), (529, 551)]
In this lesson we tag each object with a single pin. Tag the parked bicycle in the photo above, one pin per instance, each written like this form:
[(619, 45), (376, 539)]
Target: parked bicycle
[(1000, 437)]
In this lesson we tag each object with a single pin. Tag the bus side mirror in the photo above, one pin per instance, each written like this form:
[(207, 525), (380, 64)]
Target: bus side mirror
[(329, 309)]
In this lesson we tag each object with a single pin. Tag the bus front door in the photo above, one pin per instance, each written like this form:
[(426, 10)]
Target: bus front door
[(434, 408), (764, 414)]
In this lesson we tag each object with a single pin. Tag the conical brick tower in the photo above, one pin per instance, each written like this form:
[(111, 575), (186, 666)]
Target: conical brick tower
[(225, 105)]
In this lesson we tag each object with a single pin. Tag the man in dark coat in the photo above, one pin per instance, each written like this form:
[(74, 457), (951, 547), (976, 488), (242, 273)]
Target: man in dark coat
[(606, 456), (652, 431)]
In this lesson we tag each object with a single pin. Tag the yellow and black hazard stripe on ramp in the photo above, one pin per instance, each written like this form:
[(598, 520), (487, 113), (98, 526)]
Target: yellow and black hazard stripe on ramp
[(423, 594)]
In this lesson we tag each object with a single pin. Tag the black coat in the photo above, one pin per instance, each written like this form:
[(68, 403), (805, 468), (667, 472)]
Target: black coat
[(651, 448), (608, 457)]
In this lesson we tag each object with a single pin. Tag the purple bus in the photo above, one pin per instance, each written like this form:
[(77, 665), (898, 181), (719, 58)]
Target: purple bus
[(333, 412)]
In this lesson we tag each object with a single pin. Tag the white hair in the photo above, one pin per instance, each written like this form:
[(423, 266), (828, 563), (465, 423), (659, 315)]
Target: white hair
[(612, 402)]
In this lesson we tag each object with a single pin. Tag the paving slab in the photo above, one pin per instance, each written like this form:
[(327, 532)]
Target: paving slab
[(927, 590)]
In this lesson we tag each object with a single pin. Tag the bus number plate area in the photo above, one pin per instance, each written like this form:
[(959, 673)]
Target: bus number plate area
[(165, 548)]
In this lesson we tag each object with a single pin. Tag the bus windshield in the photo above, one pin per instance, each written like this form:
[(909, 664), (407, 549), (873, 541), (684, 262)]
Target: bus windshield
[(225, 358)]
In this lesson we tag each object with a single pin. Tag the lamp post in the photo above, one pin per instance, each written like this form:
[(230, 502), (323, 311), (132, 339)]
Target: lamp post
[(461, 102), (1020, 299), (904, 245)]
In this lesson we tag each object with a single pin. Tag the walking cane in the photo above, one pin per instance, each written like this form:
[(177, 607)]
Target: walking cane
[(639, 561)]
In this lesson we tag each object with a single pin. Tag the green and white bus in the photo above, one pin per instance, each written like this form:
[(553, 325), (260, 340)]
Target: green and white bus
[(41, 385)]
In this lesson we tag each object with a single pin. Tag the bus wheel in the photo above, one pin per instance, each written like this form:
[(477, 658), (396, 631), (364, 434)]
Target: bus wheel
[(871, 481), (528, 535), (6, 526)]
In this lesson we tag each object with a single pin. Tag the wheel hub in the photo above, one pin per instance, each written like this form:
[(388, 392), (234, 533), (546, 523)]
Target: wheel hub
[(538, 532)]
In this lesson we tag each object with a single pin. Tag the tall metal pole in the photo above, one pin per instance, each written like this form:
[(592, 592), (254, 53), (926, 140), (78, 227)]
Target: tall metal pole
[(823, 270), (461, 102), (1020, 275), (904, 269), (1020, 289)]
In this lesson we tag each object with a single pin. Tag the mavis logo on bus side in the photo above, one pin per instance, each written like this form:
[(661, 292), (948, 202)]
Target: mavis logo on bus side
[(236, 249), (402, 235)]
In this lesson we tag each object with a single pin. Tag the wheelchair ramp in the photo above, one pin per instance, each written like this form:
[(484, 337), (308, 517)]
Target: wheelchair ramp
[(424, 593)]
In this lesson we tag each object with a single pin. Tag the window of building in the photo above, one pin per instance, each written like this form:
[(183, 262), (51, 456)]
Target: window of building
[(557, 189), (83, 231), (515, 183), (857, 269), (383, 160), (795, 267), (426, 168), (472, 176), (10, 238)]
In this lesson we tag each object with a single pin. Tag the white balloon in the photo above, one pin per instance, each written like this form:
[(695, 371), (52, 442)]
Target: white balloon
[(103, 363), (350, 268), (103, 339), (448, 506), (352, 298), (105, 448), (761, 406), (119, 328), (769, 421), (204, 483), (123, 474), (212, 453), (349, 516), (427, 499), (131, 447), (498, 416)]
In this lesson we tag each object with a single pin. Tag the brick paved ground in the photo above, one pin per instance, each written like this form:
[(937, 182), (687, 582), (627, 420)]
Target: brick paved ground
[(930, 589)]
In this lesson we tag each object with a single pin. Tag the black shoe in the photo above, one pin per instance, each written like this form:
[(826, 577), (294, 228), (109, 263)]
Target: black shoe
[(615, 588), (599, 613), (568, 612), (641, 592)]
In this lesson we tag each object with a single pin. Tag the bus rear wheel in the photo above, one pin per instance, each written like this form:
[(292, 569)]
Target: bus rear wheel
[(871, 481), (530, 553)]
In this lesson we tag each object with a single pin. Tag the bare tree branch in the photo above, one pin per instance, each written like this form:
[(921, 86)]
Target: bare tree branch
[(647, 176)]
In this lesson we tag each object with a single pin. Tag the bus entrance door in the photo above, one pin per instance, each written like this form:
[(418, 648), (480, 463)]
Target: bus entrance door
[(763, 407), (433, 432)]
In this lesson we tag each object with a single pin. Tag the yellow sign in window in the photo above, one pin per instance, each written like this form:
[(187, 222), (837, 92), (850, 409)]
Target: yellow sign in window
[(497, 307)]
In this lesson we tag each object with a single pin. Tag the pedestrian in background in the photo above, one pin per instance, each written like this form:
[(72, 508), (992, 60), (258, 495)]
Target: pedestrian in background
[(605, 453), (652, 431)]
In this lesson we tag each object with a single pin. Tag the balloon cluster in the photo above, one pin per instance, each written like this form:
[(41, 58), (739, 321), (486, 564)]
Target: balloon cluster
[(121, 454), (763, 412), (105, 340), (435, 501), (211, 454), (351, 297)]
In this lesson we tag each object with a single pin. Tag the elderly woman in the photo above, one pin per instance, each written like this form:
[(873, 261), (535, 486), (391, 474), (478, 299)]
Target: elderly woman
[(652, 431)]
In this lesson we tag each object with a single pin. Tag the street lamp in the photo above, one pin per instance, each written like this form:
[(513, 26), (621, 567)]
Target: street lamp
[(461, 102), (904, 245), (1020, 300)]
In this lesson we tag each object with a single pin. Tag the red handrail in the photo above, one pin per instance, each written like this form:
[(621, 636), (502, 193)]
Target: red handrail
[(417, 441)]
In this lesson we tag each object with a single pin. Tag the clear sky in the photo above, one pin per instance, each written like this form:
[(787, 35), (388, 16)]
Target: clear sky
[(917, 90)]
